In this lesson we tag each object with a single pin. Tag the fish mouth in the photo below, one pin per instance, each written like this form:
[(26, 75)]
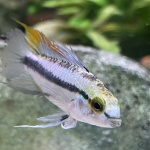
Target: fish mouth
[(114, 122)]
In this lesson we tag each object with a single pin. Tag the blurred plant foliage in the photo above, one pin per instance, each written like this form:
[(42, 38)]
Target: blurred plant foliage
[(100, 23)]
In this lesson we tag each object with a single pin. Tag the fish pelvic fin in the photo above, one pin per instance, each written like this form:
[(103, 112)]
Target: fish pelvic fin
[(49, 121), (69, 123)]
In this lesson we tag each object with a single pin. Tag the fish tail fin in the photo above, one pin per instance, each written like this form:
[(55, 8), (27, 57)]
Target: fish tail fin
[(11, 65), (12, 54), (18, 46)]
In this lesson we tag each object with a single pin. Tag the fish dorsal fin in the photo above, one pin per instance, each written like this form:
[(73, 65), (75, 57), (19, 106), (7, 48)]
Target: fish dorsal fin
[(40, 45)]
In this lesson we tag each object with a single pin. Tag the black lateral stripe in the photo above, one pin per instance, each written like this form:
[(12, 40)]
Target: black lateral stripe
[(36, 66)]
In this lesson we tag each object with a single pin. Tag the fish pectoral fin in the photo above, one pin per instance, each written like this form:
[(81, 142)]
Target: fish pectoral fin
[(50, 121), (69, 123)]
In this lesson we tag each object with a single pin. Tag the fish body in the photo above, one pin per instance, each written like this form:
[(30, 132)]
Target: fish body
[(36, 65)]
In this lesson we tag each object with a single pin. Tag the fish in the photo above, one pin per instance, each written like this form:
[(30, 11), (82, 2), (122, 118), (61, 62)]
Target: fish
[(33, 64)]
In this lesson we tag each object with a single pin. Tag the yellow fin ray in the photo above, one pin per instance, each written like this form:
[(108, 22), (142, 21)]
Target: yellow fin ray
[(34, 38)]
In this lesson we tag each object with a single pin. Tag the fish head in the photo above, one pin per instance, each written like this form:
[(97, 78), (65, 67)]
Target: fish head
[(105, 109), (105, 112), (102, 109)]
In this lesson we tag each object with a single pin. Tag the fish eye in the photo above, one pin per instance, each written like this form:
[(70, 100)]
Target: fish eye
[(98, 105)]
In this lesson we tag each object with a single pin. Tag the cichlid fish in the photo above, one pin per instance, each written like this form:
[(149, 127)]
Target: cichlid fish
[(33, 64)]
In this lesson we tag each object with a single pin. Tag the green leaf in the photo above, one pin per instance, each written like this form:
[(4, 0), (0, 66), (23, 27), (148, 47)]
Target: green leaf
[(102, 42), (99, 2), (77, 23), (105, 13), (140, 4), (68, 10), (60, 3), (32, 9), (109, 27)]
